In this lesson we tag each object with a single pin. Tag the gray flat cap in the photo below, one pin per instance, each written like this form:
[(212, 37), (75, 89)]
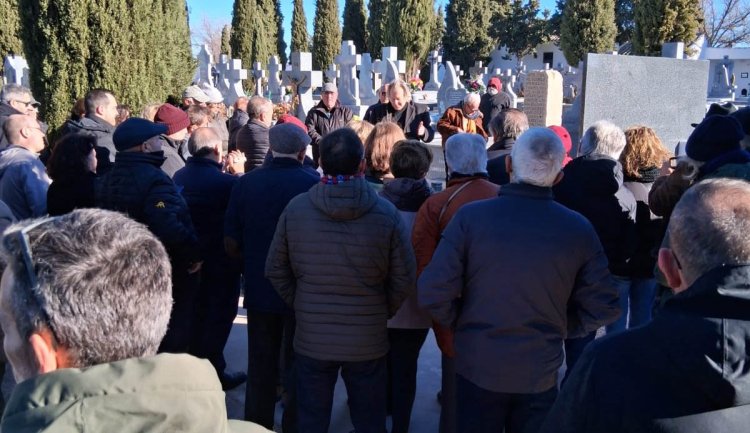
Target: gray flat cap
[(287, 138)]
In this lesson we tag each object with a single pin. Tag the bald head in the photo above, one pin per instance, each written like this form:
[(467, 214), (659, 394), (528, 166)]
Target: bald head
[(241, 103), (709, 227), (205, 143), (24, 131)]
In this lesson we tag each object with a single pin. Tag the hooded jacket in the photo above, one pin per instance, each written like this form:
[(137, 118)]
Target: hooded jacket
[(23, 182), (593, 186), (341, 257), (102, 131), (685, 371), (163, 393)]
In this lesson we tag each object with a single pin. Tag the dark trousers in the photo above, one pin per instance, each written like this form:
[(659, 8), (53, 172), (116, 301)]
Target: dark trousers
[(448, 392), (484, 411), (365, 386), (573, 350), (402, 374), (269, 338), (216, 308), (184, 293)]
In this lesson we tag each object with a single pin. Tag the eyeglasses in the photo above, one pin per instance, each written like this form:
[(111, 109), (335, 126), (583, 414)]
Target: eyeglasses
[(27, 104), (383, 93), (28, 263)]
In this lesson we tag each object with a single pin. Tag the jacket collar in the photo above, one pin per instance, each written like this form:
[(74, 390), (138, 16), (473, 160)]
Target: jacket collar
[(278, 162), (526, 190), (458, 178), (155, 158), (99, 121), (721, 292), (503, 144), (206, 162)]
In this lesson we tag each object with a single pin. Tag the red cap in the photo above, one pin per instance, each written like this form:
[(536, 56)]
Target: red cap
[(173, 117), (496, 83), (288, 118), (566, 141)]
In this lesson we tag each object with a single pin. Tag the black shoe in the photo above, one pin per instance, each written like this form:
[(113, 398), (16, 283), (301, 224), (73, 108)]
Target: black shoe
[(230, 381)]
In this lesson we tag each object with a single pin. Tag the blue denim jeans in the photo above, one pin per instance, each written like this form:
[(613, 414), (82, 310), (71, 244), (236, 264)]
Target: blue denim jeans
[(623, 289), (484, 411), (636, 302), (365, 386)]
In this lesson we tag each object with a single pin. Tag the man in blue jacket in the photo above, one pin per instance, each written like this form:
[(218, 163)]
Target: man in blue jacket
[(206, 190), (514, 276), (138, 187), (255, 205)]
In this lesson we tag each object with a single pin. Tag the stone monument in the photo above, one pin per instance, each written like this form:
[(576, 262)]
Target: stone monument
[(434, 60), (303, 80), (543, 98), (348, 85), (451, 90), (275, 90), (205, 66), (258, 75), (236, 75), (16, 70), (366, 94)]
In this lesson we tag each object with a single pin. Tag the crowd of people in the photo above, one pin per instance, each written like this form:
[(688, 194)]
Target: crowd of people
[(129, 242)]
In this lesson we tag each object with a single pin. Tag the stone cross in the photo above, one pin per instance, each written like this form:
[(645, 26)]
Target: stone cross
[(434, 61), (222, 83), (390, 53), (348, 84), (258, 75), (236, 75), (478, 71), (16, 70), (451, 90), (366, 94), (275, 92), (331, 74), (205, 65), (302, 78)]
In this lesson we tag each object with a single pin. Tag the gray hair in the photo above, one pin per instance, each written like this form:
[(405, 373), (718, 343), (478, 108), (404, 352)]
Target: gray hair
[(202, 141), (466, 153), (537, 157), (509, 123), (103, 284), (472, 97), (399, 84), (709, 227), (603, 138), (257, 106), (13, 91)]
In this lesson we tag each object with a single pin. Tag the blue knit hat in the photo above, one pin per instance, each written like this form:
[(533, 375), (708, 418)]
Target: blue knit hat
[(135, 131), (714, 136)]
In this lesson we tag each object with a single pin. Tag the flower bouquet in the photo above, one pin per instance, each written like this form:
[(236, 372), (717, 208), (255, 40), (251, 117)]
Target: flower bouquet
[(415, 84), (475, 85)]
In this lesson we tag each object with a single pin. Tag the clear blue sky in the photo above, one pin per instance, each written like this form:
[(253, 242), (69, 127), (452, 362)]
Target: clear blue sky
[(220, 12)]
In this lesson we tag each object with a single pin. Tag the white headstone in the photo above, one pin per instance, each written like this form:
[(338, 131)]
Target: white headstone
[(390, 54), (275, 91), (236, 75), (16, 70), (258, 75), (305, 80), (366, 94), (348, 85), (331, 74), (451, 90), (390, 71), (434, 60), (205, 65), (479, 71), (222, 81)]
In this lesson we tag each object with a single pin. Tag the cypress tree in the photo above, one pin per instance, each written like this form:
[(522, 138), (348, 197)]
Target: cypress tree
[(355, 24), (438, 29), (79, 45), (518, 27), (660, 21), (300, 37), (376, 26), (280, 43), (327, 33), (588, 26), (226, 34), (467, 38), (254, 30), (10, 39), (407, 31), (624, 20)]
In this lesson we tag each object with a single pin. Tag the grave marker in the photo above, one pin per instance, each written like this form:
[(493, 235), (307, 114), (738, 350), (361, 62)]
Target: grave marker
[(451, 90), (434, 61), (275, 91), (366, 94), (258, 75), (302, 78), (543, 98), (348, 60), (16, 70), (236, 75)]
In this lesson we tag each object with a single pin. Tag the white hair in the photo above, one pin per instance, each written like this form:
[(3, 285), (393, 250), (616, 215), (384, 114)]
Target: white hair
[(537, 157), (400, 84), (472, 97), (466, 153), (604, 138)]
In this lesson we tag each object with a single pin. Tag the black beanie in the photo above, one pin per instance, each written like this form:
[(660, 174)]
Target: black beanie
[(714, 136)]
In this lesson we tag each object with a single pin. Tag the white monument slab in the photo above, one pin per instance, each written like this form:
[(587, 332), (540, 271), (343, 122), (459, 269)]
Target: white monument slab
[(303, 81)]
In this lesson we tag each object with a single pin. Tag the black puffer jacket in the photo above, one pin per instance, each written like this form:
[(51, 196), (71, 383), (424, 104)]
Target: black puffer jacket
[(137, 186), (236, 122), (593, 186), (409, 121), (5, 111), (252, 140), (342, 258), (320, 121), (102, 131)]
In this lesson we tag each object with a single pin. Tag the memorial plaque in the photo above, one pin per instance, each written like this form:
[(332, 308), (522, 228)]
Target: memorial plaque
[(664, 94), (453, 97), (543, 98)]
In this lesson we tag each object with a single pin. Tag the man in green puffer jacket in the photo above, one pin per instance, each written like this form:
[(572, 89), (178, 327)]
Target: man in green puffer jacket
[(84, 304)]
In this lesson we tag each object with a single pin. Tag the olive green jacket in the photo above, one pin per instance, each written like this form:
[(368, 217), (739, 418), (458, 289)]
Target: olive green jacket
[(164, 393)]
